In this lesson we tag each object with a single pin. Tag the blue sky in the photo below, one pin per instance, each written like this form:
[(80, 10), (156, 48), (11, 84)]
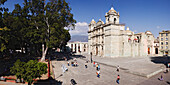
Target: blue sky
[(138, 15)]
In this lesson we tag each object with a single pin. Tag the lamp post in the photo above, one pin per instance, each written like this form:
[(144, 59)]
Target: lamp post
[(49, 67)]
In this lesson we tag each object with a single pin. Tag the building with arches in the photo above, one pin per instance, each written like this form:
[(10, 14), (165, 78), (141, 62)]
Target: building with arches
[(77, 47), (110, 39)]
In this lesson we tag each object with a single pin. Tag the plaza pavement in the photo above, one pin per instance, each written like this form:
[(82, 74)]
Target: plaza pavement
[(109, 74), (141, 66), (87, 76)]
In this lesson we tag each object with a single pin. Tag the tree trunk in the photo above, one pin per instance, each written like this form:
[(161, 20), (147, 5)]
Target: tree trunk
[(29, 83), (44, 52)]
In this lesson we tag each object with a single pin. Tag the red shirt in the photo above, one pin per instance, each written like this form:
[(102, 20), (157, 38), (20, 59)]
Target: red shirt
[(118, 77)]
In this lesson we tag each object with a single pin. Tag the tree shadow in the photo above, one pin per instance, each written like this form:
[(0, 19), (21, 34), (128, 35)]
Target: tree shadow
[(6, 73), (78, 56), (160, 60), (60, 56), (49, 81), (7, 61), (59, 76)]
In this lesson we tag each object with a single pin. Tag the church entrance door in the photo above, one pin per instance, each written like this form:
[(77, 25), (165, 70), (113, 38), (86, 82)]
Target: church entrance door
[(96, 50), (156, 50), (148, 50)]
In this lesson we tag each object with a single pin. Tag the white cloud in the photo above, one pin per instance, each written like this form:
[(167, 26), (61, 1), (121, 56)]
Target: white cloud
[(81, 28)]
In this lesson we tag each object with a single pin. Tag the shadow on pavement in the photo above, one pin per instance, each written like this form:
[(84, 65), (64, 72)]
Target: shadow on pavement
[(62, 56), (49, 81), (59, 76), (160, 60), (78, 56), (168, 82)]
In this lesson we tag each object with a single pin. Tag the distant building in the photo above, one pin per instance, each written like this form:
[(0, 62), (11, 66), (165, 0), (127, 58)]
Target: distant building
[(164, 40), (156, 45), (78, 47), (110, 39)]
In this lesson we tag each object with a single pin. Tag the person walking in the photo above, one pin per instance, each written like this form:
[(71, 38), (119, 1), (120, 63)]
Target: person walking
[(168, 66), (68, 63), (118, 78), (98, 74), (98, 67), (118, 68), (161, 78)]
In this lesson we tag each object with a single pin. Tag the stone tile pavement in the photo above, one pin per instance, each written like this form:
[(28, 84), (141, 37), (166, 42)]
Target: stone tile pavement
[(141, 66)]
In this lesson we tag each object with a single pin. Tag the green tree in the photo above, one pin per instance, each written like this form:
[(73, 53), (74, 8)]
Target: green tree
[(41, 69), (2, 42), (18, 69), (28, 71), (1, 10), (37, 25), (17, 22), (34, 69), (50, 19)]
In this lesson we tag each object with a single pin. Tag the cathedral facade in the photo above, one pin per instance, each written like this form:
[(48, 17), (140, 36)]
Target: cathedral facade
[(110, 39)]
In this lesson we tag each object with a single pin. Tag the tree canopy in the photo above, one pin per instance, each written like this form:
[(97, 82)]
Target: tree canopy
[(28, 71), (35, 27)]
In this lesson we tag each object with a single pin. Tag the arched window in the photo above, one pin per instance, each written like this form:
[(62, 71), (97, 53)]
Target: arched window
[(108, 19), (114, 20)]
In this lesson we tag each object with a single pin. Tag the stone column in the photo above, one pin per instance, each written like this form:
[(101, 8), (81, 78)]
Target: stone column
[(73, 46), (77, 48)]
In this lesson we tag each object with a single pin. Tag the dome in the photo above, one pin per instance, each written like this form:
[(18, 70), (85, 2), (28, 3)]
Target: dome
[(112, 10), (148, 32), (156, 41), (100, 22), (92, 22)]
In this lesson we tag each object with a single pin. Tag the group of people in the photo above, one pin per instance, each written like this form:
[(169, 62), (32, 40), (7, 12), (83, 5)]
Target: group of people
[(97, 68), (168, 67), (118, 76), (167, 70), (73, 63)]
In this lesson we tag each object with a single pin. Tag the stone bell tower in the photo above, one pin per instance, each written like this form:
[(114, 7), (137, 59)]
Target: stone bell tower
[(112, 16)]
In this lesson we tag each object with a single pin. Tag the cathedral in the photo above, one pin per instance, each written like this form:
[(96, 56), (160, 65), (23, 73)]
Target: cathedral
[(110, 39)]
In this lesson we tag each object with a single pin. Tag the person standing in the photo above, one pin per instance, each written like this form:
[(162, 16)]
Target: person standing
[(96, 66), (76, 64), (91, 57), (118, 78), (86, 64)]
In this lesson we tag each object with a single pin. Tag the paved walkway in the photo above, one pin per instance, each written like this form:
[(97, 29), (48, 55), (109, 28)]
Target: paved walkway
[(109, 74), (88, 76), (142, 66)]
